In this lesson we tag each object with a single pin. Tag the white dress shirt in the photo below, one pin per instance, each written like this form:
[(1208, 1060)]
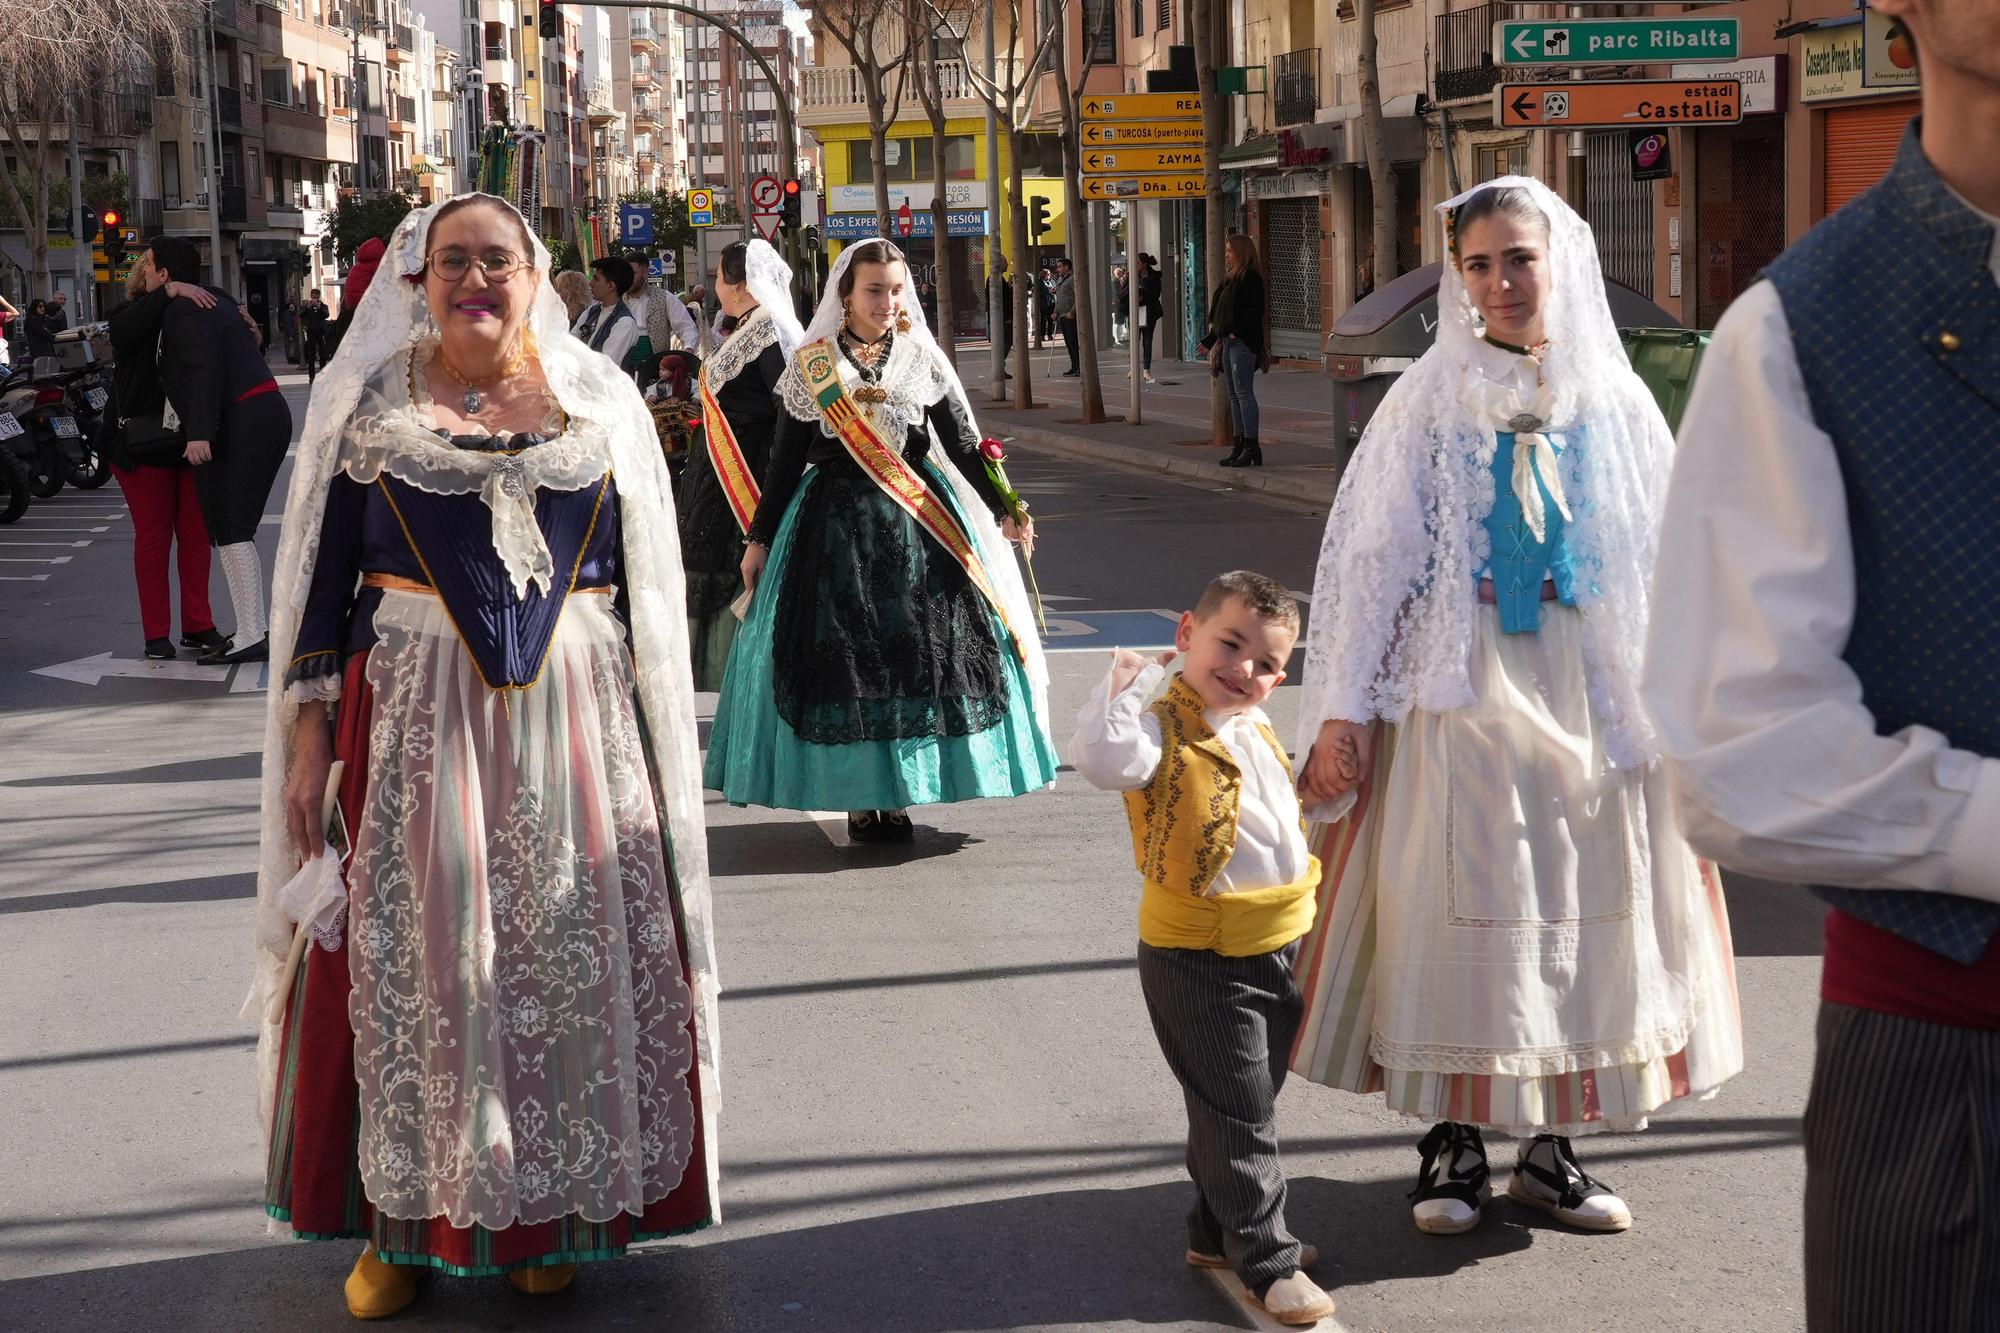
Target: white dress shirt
[(1775, 761), (1117, 747), (616, 343)]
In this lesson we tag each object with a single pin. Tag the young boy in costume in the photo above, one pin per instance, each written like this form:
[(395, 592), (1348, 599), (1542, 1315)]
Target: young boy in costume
[(1229, 890)]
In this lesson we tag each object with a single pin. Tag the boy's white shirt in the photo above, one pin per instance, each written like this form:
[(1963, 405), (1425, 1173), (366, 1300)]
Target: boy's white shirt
[(1117, 747)]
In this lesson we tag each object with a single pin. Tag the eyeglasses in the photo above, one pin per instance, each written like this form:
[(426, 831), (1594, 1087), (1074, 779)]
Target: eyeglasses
[(453, 265)]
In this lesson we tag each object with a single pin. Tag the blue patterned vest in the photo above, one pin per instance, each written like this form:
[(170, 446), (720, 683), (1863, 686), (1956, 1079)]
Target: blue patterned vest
[(1895, 317)]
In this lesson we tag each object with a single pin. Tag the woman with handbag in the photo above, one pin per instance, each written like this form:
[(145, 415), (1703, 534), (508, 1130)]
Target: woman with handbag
[(498, 1056), (146, 458), (889, 657), (1236, 347)]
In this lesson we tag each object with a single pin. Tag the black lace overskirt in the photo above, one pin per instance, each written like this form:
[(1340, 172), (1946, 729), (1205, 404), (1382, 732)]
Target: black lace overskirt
[(878, 634)]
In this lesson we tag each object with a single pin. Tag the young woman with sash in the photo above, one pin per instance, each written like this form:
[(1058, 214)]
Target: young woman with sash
[(889, 658), (718, 492)]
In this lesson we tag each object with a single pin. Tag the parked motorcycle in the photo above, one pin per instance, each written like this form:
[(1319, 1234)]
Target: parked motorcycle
[(38, 400), (15, 491), (85, 357)]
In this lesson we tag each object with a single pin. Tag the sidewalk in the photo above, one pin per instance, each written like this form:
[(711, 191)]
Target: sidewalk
[(1296, 407)]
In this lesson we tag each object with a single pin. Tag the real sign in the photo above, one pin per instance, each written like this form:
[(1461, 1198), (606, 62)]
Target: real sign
[(1616, 41), (863, 226), (1143, 187), (1142, 106), (1099, 134), (1762, 78), (701, 208), (1126, 161), (635, 224), (1617, 104)]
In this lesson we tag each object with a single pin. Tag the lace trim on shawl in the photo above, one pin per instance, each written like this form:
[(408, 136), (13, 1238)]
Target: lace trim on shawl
[(912, 379), (743, 346)]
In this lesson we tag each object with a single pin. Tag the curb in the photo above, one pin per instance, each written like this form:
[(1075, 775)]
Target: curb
[(1314, 491)]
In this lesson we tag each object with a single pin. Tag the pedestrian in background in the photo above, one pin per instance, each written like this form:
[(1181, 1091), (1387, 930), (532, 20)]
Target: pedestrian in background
[(574, 289), (1823, 669), (1149, 314), (313, 317), (1235, 345), (59, 312), (1005, 322), (607, 324), (40, 329), (157, 482), (10, 315), (238, 428), (1063, 301), (1229, 888)]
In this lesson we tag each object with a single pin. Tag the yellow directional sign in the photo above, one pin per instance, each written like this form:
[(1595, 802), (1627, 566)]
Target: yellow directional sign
[(1107, 134), (1125, 161), (1143, 187), (1142, 106)]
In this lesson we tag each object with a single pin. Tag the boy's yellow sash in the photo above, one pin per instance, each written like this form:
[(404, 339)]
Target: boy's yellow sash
[(732, 469), (886, 467)]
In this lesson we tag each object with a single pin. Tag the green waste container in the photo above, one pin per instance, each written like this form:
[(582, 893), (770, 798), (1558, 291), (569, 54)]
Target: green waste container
[(1666, 359)]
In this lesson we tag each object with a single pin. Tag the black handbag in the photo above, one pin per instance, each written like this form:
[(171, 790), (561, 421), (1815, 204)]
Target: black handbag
[(150, 441)]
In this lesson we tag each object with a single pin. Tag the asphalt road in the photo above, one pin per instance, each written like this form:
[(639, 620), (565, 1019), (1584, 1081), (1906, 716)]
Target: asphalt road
[(942, 1105)]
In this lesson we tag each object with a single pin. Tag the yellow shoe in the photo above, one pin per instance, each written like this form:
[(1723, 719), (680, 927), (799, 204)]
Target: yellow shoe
[(376, 1290), (544, 1281)]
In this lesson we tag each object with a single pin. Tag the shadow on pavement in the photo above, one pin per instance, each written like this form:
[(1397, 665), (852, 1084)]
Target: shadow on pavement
[(220, 768), (214, 888)]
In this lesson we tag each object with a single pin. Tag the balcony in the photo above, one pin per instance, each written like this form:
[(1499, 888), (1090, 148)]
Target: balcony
[(151, 214), (1466, 67), (598, 104), (227, 104), (832, 96), (1295, 87), (402, 42), (644, 37), (645, 113), (642, 75)]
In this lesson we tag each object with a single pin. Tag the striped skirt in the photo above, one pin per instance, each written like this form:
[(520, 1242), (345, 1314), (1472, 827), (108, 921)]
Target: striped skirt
[(1510, 933)]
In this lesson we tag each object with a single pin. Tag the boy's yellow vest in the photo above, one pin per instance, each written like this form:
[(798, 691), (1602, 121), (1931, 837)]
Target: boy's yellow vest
[(1183, 832)]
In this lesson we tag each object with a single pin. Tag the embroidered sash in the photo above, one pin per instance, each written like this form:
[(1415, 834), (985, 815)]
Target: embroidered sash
[(732, 469), (886, 467)]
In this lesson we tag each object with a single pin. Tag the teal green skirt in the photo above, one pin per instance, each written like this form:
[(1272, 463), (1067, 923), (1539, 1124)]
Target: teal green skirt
[(756, 758)]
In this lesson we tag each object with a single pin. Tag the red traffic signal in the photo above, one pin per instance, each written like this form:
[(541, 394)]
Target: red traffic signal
[(788, 206), (111, 217)]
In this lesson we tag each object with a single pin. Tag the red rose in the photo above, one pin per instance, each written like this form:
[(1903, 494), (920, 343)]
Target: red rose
[(993, 449)]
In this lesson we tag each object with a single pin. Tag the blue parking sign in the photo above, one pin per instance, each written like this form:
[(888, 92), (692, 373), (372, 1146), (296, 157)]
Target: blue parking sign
[(635, 224)]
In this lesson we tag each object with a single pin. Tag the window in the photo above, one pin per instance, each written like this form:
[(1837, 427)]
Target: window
[(1100, 32), (1166, 13), (163, 80), (278, 85), (1138, 18), (1503, 159), (170, 170)]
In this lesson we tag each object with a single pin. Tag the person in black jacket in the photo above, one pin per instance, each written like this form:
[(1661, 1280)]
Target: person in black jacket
[(1150, 312), (238, 427), (159, 493), (41, 329), (1235, 342)]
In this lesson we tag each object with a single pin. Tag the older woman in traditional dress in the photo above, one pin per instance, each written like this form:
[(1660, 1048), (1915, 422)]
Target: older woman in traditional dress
[(489, 1026)]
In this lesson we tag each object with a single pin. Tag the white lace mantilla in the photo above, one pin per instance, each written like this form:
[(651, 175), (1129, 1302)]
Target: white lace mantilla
[(1395, 591), (745, 344), (911, 381)]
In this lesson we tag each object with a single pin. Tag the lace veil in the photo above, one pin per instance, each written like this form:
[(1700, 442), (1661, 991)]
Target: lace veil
[(769, 279), (609, 421), (1394, 595), (916, 375)]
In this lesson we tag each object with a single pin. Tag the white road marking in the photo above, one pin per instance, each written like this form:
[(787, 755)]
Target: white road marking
[(106, 528), (92, 670), (833, 823), (74, 543), (34, 560), (250, 678), (23, 578)]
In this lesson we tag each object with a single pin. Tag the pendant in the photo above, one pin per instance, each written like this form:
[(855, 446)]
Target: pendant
[(473, 400)]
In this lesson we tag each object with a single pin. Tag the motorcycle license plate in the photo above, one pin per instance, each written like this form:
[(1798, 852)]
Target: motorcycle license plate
[(9, 427), (96, 398), (64, 426)]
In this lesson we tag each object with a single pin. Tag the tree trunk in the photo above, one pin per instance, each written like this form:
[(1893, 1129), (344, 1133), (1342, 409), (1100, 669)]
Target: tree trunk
[(1381, 176), (1017, 260), (878, 139), (1215, 137), (1079, 240), (947, 305)]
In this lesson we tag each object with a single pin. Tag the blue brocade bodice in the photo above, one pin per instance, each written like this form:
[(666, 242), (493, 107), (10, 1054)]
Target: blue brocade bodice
[(1519, 564)]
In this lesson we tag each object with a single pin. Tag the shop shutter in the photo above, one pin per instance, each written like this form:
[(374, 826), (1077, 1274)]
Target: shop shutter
[(1291, 264), (1861, 144)]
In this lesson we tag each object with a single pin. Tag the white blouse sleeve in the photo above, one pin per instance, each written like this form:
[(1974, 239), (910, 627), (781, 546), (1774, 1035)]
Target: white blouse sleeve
[(1775, 762), (1117, 742)]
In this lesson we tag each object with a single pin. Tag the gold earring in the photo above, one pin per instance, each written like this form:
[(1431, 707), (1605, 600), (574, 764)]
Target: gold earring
[(902, 321)]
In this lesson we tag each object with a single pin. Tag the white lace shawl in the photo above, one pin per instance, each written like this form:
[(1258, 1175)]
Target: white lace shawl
[(1394, 596), (606, 414), (916, 375)]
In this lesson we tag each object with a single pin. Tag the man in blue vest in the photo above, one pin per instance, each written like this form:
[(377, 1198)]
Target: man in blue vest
[(1824, 671)]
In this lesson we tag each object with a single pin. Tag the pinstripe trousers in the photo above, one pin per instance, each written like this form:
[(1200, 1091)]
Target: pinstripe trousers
[(1902, 1176), (1226, 1027)]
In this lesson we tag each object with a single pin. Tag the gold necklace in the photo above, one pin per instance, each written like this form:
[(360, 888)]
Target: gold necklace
[(475, 399)]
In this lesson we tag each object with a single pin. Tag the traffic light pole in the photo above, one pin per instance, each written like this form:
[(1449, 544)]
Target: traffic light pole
[(786, 135)]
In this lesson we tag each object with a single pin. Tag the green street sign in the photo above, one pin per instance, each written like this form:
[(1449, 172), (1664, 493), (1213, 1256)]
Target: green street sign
[(1616, 41)]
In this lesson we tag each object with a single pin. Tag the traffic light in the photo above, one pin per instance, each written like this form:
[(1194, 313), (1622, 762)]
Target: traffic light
[(788, 207), (1038, 218), (114, 239), (551, 19), (89, 225)]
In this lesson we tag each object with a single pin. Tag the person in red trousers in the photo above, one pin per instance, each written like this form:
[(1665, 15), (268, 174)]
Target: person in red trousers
[(166, 520)]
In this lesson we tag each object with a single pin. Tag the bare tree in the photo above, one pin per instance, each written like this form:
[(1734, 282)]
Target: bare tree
[(60, 53), (879, 45), (927, 76), (1011, 98), (1381, 177), (1071, 97), (1202, 18)]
